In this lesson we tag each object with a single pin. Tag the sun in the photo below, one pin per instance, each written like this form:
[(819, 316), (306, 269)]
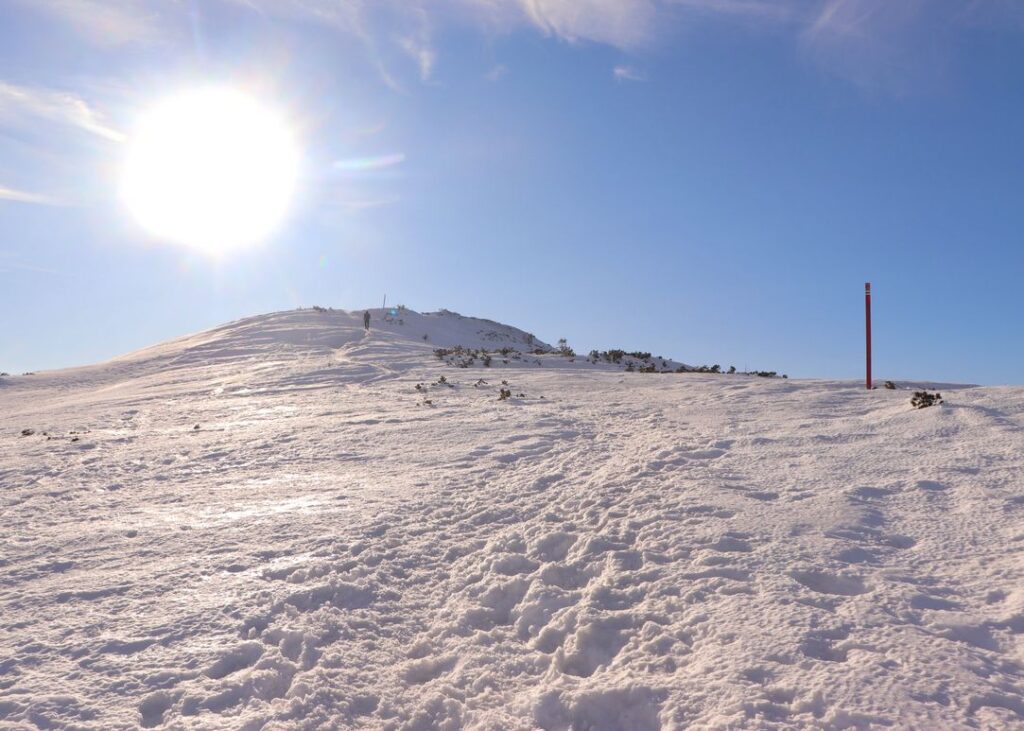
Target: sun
[(211, 169)]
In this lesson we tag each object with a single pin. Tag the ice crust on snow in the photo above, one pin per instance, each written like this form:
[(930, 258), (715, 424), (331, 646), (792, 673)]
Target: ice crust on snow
[(608, 551)]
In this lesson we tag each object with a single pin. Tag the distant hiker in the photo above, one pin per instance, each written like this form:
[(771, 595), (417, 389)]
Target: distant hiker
[(366, 320)]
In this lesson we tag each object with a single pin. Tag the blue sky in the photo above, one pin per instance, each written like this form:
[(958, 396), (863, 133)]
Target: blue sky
[(710, 180)]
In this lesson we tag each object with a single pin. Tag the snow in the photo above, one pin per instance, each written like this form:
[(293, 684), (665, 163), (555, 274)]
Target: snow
[(266, 525)]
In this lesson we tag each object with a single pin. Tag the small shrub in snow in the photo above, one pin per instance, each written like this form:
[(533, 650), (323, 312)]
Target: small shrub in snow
[(732, 369), (617, 356), (564, 349), (700, 369), (924, 399), (504, 395), (890, 385), (467, 357)]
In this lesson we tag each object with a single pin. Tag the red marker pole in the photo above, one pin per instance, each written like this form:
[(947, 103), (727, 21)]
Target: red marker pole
[(867, 328)]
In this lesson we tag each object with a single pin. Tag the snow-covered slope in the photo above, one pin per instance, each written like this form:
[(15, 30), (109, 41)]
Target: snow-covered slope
[(289, 523), (324, 330)]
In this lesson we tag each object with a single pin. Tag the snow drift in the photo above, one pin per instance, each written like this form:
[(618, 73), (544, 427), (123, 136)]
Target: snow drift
[(286, 522)]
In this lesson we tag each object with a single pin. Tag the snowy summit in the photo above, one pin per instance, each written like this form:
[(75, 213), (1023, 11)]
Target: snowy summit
[(442, 522)]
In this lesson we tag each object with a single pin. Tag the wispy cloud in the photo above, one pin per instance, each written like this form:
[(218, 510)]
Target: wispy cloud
[(619, 23), (104, 22), (422, 52), (21, 196), (624, 24), (627, 73), (19, 103), (390, 29), (862, 20), (881, 45), (496, 73), (859, 39), (633, 26)]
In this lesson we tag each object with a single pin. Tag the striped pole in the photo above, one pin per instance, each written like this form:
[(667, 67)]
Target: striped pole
[(867, 329)]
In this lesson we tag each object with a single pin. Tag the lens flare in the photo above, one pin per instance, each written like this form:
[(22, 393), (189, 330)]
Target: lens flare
[(369, 164)]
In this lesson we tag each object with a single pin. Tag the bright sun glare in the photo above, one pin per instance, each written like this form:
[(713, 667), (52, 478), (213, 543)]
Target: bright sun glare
[(210, 169)]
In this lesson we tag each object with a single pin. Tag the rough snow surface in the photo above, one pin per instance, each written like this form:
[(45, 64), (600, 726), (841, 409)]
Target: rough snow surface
[(267, 525)]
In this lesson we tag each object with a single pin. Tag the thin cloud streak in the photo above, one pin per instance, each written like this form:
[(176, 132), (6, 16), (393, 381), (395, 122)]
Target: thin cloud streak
[(895, 47), (18, 103), (423, 54), (626, 24), (496, 73), (627, 73), (11, 262), (20, 196)]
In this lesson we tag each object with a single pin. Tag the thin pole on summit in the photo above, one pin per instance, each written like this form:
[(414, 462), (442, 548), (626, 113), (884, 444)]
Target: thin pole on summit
[(385, 305), (867, 330)]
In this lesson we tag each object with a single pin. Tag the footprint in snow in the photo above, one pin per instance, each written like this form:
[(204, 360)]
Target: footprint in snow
[(238, 658), (731, 544), (554, 546), (825, 583), (821, 644), (153, 707)]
